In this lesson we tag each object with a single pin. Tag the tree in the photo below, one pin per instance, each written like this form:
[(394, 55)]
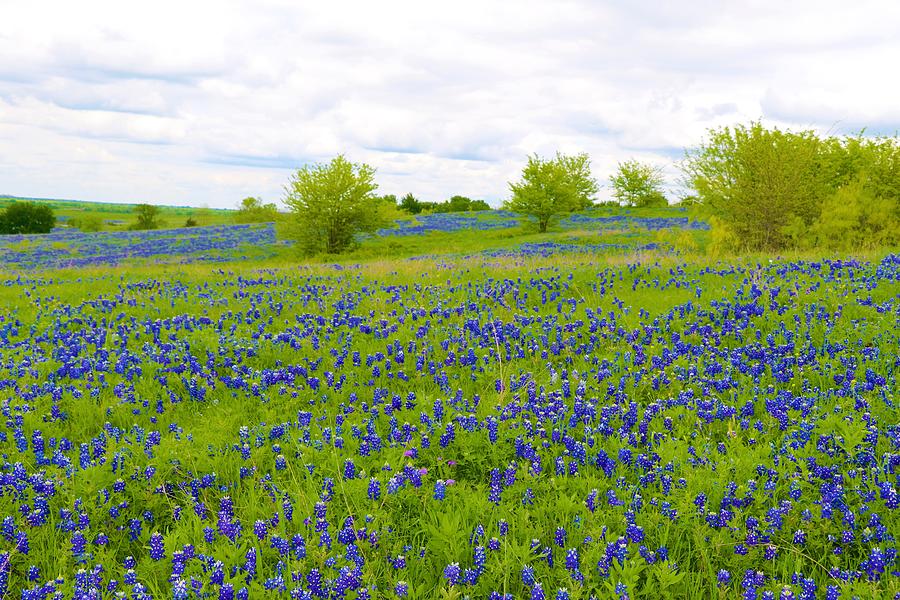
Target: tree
[(252, 210), (190, 222), (332, 203), (26, 217), (763, 184), (551, 187), (410, 204), (638, 184), (147, 217), (458, 204)]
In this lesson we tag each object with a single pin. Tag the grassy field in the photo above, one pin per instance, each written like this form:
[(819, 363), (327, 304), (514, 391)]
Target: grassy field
[(460, 410)]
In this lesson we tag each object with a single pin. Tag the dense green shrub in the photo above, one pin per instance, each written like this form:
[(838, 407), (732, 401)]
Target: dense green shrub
[(147, 217), (26, 217), (774, 190), (332, 203)]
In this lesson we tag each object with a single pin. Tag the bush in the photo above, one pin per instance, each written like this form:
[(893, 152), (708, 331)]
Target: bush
[(551, 187), (759, 182), (147, 217), (332, 203), (410, 204), (26, 217), (773, 190)]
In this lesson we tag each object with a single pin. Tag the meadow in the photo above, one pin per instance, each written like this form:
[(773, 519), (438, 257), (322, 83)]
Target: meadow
[(448, 412)]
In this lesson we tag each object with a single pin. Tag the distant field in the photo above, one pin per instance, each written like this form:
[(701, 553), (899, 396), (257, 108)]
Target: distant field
[(117, 217), (488, 234)]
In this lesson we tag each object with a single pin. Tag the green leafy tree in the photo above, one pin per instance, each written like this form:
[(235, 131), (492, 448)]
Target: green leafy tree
[(763, 184), (332, 203), (147, 217), (410, 204), (552, 187), (26, 217), (252, 210), (458, 204), (638, 184)]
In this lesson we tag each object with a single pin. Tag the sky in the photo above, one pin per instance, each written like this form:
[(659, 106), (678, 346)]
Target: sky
[(204, 103)]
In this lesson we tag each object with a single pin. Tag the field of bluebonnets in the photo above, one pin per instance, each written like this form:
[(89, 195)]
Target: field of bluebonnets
[(549, 420)]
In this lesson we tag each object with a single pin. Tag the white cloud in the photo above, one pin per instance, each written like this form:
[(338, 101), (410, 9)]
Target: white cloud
[(207, 102)]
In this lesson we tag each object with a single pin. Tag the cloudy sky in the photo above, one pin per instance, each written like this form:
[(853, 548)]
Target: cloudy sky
[(204, 103)]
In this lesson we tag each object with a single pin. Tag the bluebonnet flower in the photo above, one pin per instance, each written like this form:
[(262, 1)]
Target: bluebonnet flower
[(374, 490), (157, 550), (260, 528), (180, 590), (452, 573), (503, 527), (440, 489), (226, 592), (723, 577), (528, 575)]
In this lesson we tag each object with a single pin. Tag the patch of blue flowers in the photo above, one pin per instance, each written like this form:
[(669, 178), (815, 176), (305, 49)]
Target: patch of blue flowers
[(67, 248), (501, 219), (638, 430)]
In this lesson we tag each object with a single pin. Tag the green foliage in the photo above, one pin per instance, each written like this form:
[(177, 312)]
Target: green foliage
[(332, 203), (190, 222), (26, 217), (410, 204), (552, 187), (455, 204), (252, 210), (759, 181), (638, 184), (459, 204), (774, 190), (147, 217), (88, 223)]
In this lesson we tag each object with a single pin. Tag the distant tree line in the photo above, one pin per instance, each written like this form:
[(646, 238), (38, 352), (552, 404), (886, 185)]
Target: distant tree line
[(411, 205)]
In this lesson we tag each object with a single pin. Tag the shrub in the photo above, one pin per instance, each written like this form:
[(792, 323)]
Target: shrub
[(26, 217)]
